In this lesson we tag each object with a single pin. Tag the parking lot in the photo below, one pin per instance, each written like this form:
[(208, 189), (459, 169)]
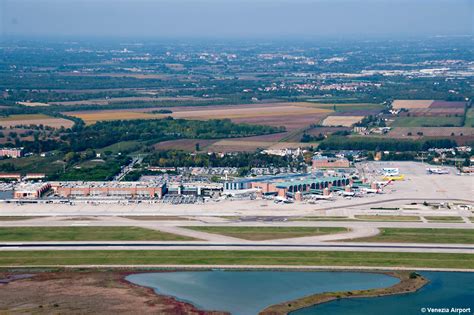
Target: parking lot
[(182, 199)]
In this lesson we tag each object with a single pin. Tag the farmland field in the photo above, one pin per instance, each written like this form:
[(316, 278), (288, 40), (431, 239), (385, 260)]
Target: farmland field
[(185, 144), (431, 131), (35, 119), (91, 117), (345, 121), (290, 115), (410, 104), (103, 101), (32, 104), (469, 118), (349, 107), (36, 164), (436, 112), (293, 116), (228, 145), (427, 122), (233, 145)]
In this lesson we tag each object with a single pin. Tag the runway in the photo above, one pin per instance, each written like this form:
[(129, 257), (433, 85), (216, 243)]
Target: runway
[(326, 246)]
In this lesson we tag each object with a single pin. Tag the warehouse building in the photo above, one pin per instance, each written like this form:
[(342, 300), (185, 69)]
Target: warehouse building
[(321, 161), (30, 190), (11, 152), (246, 183), (304, 185), (77, 189)]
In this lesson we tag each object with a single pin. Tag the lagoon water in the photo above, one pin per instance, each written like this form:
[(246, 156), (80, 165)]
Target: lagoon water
[(248, 292), (445, 290)]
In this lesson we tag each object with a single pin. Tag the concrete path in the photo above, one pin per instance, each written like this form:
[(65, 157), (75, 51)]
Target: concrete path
[(196, 234), (466, 220), (356, 232)]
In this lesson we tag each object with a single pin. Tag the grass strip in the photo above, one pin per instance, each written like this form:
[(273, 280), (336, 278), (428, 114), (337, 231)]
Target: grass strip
[(257, 233), (208, 257), (86, 233), (424, 235)]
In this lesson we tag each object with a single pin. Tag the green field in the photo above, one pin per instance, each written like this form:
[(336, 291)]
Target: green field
[(469, 122), (36, 164), (85, 233), (123, 146), (267, 233), (402, 235), (447, 219), (205, 257), (427, 122), (395, 218), (25, 117), (346, 107)]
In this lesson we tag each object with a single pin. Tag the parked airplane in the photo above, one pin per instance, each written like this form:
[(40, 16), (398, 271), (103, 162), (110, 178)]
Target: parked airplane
[(389, 171), (370, 190), (279, 199), (437, 170), (322, 197), (392, 177)]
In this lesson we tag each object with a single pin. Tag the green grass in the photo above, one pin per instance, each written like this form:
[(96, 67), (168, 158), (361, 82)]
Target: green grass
[(447, 219), (25, 116), (36, 164), (395, 218), (349, 107), (205, 257), (402, 235), (469, 122), (123, 146), (85, 233), (427, 122), (256, 233)]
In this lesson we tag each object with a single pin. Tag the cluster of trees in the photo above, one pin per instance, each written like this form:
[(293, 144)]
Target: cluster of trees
[(309, 138), (106, 133), (102, 134), (383, 144), (161, 111), (104, 171), (371, 121), (175, 158)]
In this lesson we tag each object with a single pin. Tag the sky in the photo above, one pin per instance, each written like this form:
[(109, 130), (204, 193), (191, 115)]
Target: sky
[(235, 18)]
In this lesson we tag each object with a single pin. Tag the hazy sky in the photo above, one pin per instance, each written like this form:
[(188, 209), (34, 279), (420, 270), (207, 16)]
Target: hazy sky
[(236, 18)]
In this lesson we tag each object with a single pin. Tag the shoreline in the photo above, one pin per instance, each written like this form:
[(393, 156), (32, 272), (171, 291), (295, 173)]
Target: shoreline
[(410, 282), (406, 285), (172, 300), (117, 275)]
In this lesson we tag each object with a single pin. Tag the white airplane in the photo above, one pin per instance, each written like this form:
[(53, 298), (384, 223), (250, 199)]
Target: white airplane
[(239, 192), (437, 170), (348, 193), (389, 171), (322, 197), (279, 199), (370, 190)]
